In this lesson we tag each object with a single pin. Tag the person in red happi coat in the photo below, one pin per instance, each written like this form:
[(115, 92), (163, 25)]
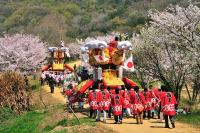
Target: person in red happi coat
[(93, 100), (116, 103), (147, 95), (126, 101), (104, 102), (168, 103), (111, 92), (154, 100), (131, 91), (137, 99)]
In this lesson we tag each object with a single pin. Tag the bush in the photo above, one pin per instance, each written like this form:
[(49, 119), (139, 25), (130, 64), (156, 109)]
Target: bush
[(73, 8), (2, 19), (6, 11), (14, 93)]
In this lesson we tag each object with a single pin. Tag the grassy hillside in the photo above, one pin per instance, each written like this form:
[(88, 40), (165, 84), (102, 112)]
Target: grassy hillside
[(53, 20), (51, 120)]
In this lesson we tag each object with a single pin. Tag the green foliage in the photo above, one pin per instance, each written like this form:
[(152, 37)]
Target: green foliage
[(6, 10), (193, 118), (5, 114), (118, 21), (75, 19), (25, 123)]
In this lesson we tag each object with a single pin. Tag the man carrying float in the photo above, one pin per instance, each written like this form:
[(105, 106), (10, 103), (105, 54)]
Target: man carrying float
[(126, 101), (154, 100), (116, 104), (138, 101), (104, 102), (93, 100), (147, 96)]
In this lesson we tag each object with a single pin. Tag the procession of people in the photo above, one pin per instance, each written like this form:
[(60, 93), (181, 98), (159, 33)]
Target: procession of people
[(135, 103)]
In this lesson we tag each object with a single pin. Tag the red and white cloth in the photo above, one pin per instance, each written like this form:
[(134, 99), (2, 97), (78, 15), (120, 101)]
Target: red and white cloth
[(116, 103), (126, 99), (147, 97), (93, 100), (168, 102), (155, 101), (137, 99), (104, 100), (129, 65)]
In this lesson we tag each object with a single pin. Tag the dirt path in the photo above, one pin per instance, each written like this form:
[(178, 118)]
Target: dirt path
[(149, 126), (57, 97)]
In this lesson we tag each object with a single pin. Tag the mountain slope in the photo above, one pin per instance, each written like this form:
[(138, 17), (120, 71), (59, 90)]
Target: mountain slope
[(54, 20)]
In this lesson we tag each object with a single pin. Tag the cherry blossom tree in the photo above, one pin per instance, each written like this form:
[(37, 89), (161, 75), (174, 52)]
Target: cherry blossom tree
[(21, 52), (169, 48)]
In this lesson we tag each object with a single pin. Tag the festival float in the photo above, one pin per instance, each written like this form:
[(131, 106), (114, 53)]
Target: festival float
[(57, 56), (108, 61)]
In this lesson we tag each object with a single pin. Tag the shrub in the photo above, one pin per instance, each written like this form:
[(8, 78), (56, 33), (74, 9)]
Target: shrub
[(6, 11), (14, 92), (2, 19)]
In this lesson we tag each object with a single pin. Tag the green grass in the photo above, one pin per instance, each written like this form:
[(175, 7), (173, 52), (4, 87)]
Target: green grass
[(5, 114), (73, 122), (34, 83), (63, 131), (62, 122), (193, 118), (84, 121), (26, 123)]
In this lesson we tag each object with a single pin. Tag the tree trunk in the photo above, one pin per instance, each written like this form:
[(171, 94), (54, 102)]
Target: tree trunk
[(188, 92), (196, 90)]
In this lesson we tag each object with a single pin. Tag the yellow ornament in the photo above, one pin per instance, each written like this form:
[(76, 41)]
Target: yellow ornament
[(117, 57)]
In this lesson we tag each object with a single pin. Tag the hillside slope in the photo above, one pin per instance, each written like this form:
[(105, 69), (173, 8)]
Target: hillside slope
[(54, 20)]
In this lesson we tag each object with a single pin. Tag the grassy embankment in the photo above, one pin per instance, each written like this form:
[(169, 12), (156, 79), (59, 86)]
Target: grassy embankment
[(38, 121), (52, 119), (193, 119)]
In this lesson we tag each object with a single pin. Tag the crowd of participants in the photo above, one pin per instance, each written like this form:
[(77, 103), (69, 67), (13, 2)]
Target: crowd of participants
[(126, 100), (123, 101), (59, 79)]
